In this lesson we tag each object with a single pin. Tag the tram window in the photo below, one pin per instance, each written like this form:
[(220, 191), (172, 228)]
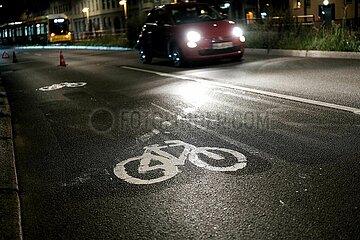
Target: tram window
[(19, 32), (43, 28), (38, 29), (31, 30)]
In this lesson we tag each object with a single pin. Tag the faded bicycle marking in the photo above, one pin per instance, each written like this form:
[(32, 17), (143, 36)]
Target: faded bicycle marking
[(168, 163), (57, 86)]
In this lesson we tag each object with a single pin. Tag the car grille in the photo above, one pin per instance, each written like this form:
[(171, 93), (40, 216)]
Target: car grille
[(209, 52)]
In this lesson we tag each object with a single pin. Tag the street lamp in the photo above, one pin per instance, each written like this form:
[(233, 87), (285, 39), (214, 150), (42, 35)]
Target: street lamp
[(124, 3), (326, 2), (86, 10)]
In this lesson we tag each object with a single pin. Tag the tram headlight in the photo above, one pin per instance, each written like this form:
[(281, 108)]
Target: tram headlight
[(52, 34)]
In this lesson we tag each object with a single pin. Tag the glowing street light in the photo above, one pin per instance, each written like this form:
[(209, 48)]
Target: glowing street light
[(326, 2), (86, 10), (124, 3)]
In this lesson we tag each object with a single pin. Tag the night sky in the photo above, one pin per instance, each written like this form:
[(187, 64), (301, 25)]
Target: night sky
[(12, 9)]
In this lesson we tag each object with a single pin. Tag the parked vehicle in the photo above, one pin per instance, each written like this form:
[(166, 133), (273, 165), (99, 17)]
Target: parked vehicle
[(189, 31)]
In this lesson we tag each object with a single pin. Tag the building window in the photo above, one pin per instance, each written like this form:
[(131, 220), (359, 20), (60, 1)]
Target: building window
[(308, 3), (113, 3), (108, 4), (103, 4)]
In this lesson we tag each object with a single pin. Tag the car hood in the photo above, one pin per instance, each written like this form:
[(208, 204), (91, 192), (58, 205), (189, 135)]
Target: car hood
[(209, 29)]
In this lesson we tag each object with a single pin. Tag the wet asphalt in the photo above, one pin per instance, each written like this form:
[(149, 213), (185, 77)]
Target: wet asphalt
[(302, 170)]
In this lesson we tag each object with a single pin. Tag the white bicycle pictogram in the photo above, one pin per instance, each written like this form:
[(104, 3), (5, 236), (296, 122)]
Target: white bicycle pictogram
[(62, 85), (168, 162)]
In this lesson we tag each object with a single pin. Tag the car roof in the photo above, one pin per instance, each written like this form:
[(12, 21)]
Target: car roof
[(182, 4)]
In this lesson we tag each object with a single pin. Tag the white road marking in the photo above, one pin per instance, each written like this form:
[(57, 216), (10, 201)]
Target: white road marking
[(247, 148), (252, 90), (62, 85), (170, 162)]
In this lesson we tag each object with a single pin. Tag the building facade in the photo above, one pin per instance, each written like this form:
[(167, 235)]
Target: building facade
[(102, 17), (327, 12)]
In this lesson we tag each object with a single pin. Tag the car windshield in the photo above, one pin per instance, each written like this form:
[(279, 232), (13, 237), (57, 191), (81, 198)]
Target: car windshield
[(191, 14)]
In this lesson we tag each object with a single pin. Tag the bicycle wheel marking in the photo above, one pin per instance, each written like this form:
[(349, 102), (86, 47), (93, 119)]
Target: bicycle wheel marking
[(166, 163), (194, 158), (57, 86), (170, 170)]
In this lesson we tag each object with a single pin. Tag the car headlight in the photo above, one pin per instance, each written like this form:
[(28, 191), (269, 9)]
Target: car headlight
[(193, 36), (237, 32)]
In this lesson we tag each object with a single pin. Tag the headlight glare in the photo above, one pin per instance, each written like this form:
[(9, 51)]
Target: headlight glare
[(193, 36), (237, 32)]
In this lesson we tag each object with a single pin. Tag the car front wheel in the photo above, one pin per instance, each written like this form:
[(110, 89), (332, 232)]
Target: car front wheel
[(145, 55), (177, 57)]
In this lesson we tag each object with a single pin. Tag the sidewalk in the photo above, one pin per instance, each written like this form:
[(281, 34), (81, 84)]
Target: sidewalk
[(304, 53), (10, 223)]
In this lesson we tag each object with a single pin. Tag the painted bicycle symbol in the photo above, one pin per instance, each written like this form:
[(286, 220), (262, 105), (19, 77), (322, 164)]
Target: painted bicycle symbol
[(160, 165), (62, 85)]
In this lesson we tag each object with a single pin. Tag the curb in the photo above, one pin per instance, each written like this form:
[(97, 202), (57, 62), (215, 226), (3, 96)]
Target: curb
[(304, 53), (77, 48), (271, 52), (10, 215)]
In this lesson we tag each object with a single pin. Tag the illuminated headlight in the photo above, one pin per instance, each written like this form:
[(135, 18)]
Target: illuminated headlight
[(193, 36), (237, 32), (52, 34), (192, 44)]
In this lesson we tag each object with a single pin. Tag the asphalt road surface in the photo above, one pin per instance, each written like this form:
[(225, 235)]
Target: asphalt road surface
[(108, 148)]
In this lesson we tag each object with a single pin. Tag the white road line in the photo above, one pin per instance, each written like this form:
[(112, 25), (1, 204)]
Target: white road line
[(252, 90)]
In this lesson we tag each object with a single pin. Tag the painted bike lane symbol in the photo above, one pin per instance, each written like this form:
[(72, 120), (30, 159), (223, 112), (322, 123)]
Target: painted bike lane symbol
[(62, 85), (167, 163)]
